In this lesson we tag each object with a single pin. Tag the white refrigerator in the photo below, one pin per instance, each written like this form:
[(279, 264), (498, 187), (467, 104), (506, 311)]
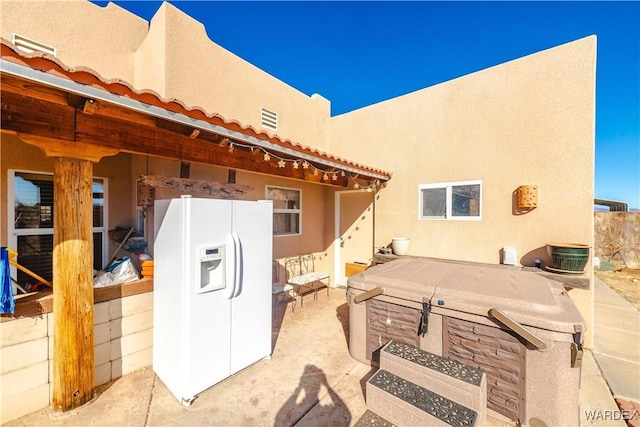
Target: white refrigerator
[(212, 290)]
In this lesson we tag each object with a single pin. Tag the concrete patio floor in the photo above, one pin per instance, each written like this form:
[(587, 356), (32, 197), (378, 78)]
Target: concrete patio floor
[(311, 380)]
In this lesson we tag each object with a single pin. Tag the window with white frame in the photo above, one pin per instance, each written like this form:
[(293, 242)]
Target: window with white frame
[(287, 210), (451, 200), (31, 202)]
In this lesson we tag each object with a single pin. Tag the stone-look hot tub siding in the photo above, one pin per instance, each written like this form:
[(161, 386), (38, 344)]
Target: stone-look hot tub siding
[(498, 353)]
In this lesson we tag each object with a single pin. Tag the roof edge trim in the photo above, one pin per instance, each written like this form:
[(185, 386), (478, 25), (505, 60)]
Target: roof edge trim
[(100, 94)]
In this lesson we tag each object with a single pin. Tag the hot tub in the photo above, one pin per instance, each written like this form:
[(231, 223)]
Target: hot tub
[(519, 327)]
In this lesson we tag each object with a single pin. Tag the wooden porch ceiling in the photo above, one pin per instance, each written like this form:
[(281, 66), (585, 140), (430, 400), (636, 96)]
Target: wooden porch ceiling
[(59, 121)]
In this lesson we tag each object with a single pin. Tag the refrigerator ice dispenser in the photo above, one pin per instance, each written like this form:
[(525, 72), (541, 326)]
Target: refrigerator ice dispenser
[(212, 274)]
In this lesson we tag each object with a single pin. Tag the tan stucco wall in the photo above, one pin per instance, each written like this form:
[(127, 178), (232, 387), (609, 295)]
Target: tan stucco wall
[(529, 121), (201, 73), (173, 56), (85, 35)]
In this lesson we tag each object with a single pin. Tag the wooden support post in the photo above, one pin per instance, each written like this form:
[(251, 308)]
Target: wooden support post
[(73, 355)]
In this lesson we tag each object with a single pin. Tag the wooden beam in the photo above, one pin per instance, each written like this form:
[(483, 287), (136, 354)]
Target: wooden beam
[(110, 110), (73, 352), (101, 135), (37, 117), (68, 149), (28, 88), (220, 190), (25, 88), (137, 139)]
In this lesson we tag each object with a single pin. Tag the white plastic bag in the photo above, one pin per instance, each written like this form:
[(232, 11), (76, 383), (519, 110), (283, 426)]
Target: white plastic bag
[(120, 271)]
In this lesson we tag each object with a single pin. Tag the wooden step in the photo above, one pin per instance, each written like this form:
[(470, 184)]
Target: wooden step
[(404, 403), (461, 383)]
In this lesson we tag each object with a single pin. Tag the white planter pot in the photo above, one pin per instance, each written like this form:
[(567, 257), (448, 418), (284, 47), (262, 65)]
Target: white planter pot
[(400, 245)]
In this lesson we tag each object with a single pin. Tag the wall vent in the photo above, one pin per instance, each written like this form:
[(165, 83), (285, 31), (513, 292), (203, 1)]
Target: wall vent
[(269, 119), (30, 46)]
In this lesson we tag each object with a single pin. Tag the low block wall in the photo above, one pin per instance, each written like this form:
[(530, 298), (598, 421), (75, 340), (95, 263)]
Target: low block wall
[(123, 343), (617, 238)]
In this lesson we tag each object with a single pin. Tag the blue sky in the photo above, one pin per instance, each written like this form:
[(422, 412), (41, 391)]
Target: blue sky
[(359, 53)]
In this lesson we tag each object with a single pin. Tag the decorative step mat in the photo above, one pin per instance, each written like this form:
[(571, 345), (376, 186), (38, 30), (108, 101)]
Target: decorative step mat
[(371, 419), (450, 367), (425, 400)]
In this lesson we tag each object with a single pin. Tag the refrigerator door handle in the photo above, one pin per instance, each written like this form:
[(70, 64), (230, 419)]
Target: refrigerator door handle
[(237, 276), (230, 265)]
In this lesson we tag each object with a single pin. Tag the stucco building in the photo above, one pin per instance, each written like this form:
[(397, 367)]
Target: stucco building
[(354, 181)]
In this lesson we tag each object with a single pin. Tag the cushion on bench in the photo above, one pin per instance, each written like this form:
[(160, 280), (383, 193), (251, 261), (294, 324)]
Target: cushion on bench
[(308, 278)]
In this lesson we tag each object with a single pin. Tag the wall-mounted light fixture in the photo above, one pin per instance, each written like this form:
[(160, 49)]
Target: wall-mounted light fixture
[(527, 196)]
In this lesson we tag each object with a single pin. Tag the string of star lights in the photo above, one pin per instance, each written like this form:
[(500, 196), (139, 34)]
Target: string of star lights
[(327, 175)]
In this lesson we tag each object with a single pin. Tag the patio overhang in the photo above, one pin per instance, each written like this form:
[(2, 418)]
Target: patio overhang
[(62, 109), (76, 117)]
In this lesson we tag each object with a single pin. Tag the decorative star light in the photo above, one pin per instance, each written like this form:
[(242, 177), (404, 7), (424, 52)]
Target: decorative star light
[(334, 177), (305, 165), (325, 177), (281, 163), (356, 185), (267, 157), (295, 164)]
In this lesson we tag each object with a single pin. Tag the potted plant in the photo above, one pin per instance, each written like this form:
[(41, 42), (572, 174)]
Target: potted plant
[(400, 245)]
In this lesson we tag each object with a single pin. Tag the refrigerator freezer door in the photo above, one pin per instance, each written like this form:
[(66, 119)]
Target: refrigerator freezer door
[(251, 307), (192, 332), (168, 298), (207, 315)]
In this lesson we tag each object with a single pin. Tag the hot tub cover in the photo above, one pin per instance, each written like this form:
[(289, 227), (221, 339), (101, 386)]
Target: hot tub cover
[(528, 298)]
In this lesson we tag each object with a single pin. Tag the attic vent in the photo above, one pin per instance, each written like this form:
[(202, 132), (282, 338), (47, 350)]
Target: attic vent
[(269, 119), (30, 46)]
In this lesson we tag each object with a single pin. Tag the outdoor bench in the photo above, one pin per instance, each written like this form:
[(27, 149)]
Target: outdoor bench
[(281, 292), (301, 275)]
